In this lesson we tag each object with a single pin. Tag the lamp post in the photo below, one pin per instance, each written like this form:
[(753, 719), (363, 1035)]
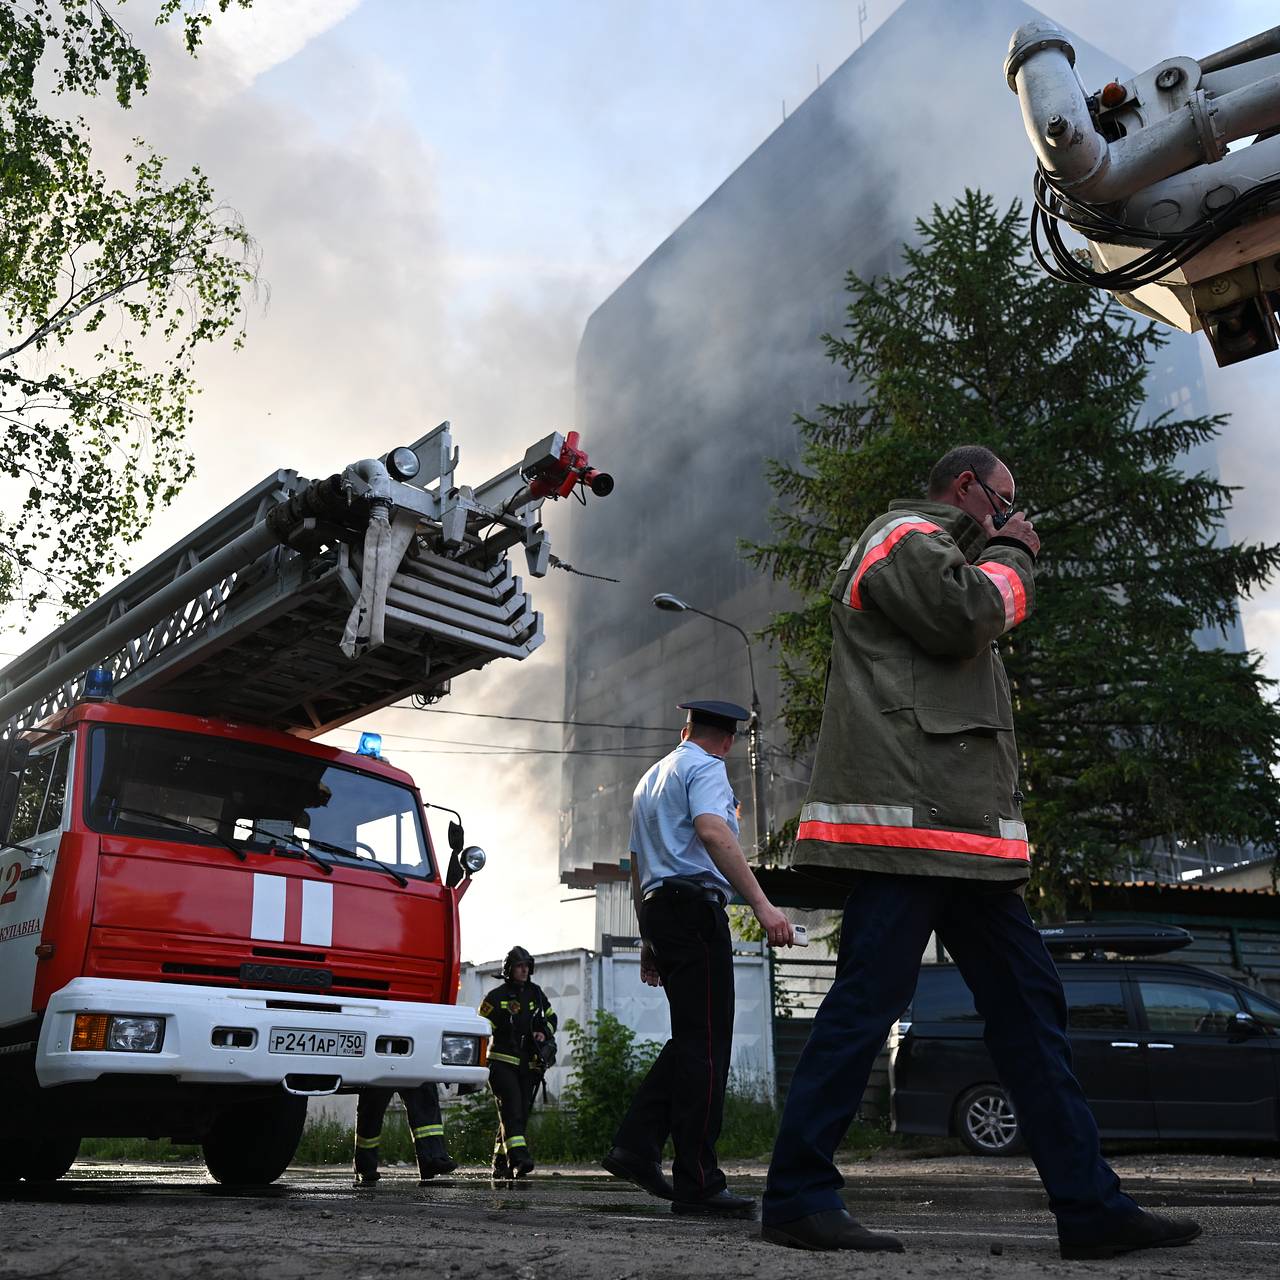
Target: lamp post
[(759, 806)]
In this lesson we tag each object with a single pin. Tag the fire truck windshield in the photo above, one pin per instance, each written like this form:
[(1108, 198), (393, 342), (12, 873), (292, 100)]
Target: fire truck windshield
[(174, 786)]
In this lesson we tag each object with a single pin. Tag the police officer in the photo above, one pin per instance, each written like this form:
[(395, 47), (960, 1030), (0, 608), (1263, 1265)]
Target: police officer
[(523, 1022), (685, 864), (422, 1104)]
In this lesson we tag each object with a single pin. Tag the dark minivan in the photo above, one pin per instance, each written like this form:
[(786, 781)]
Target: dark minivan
[(1163, 1049)]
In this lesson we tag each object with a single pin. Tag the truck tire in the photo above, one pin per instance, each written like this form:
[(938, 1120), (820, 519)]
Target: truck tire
[(985, 1121), (47, 1159), (36, 1159), (250, 1145)]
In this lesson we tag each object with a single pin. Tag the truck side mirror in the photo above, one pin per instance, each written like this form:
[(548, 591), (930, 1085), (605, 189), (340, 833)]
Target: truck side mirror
[(457, 837)]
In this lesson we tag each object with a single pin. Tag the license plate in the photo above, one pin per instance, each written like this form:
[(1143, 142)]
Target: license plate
[(332, 1044)]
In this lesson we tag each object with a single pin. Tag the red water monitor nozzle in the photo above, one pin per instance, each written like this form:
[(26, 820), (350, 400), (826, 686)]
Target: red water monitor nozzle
[(556, 466)]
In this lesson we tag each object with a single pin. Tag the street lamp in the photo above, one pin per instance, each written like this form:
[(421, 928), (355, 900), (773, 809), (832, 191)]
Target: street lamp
[(673, 604)]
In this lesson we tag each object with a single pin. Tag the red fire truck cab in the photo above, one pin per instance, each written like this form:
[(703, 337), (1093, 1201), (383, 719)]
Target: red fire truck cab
[(204, 923)]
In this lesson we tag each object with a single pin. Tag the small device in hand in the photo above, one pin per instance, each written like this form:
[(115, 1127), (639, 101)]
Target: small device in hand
[(802, 936)]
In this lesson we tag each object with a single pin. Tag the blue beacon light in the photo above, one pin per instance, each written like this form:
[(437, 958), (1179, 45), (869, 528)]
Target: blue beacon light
[(98, 684), (370, 745)]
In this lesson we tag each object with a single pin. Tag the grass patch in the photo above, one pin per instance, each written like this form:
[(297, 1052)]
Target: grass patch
[(138, 1150)]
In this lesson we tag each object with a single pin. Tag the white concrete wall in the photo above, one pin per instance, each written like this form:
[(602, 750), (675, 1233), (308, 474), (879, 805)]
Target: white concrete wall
[(579, 982)]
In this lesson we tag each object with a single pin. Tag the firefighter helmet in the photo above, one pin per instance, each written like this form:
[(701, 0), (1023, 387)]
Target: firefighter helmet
[(517, 955)]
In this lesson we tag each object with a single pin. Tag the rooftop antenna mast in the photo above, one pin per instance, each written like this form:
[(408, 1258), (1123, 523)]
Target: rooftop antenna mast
[(862, 17)]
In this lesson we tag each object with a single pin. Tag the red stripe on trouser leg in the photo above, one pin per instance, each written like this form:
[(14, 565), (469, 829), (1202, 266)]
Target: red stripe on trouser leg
[(711, 1072)]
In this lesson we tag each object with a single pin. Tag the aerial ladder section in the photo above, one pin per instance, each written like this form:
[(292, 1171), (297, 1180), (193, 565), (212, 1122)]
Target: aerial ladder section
[(307, 603)]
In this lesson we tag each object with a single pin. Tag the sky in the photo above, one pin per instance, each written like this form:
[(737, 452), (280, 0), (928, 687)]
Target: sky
[(442, 193)]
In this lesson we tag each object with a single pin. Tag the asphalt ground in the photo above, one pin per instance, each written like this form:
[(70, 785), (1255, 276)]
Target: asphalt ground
[(956, 1215)]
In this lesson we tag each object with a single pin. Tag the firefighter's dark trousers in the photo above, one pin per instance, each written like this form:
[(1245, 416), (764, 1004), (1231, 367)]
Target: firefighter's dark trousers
[(513, 1088), (422, 1104), (683, 1094), (986, 929)]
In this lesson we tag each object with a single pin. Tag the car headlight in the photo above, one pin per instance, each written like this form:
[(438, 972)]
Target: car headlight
[(125, 1033), (459, 1051)]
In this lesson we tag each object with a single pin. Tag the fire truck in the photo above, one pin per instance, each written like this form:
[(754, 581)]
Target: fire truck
[(207, 917)]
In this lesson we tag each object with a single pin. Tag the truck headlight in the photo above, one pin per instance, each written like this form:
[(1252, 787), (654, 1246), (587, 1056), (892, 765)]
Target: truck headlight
[(136, 1035), (126, 1033), (460, 1051)]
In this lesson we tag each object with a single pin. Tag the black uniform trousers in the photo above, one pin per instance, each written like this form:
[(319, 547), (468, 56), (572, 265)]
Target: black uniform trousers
[(683, 1094), (422, 1104), (513, 1089), (1017, 990)]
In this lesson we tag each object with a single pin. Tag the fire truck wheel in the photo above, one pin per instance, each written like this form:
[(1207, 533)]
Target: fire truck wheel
[(252, 1144), (49, 1158)]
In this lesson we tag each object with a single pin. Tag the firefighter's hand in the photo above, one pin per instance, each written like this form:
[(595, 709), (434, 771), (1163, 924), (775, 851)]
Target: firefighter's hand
[(1017, 527), (539, 1037), (649, 965), (777, 928)]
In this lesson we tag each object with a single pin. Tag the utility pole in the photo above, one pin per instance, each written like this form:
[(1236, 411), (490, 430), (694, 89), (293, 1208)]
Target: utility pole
[(862, 17)]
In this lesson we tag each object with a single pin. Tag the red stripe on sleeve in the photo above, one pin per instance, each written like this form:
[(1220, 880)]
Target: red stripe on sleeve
[(880, 548)]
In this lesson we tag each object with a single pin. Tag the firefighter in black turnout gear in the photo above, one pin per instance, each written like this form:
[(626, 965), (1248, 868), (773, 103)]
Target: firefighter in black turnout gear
[(520, 1051), (422, 1104)]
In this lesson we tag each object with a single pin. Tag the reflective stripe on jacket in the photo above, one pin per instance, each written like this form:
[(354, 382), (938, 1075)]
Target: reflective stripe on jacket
[(916, 770), (515, 1013)]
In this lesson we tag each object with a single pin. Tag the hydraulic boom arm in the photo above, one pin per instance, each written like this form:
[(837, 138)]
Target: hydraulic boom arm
[(1181, 227)]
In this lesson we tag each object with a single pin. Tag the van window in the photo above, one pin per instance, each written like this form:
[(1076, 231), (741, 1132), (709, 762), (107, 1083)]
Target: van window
[(941, 996), (1095, 1006), (1187, 1007)]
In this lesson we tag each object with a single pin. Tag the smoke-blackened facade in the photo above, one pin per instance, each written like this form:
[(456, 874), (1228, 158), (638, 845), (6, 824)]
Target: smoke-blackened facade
[(694, 368)]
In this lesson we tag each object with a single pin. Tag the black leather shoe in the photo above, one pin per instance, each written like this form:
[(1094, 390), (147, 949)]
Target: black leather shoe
[(1142, 1231), (724, 1204), (646, 1175), (831, 1229)]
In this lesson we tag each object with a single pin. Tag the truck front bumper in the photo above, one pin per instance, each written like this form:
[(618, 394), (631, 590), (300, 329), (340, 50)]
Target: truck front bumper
[(215, 1035)]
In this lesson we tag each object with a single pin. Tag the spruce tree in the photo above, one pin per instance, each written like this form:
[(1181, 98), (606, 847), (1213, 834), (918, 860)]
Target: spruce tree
[(1129, 732)]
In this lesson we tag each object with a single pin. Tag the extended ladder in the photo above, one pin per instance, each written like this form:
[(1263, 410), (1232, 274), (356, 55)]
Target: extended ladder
[(305, 604)]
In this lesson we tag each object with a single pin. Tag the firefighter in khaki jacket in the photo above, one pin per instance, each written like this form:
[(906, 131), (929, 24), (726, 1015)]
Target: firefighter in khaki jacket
[(914, 806), (524, 1027)]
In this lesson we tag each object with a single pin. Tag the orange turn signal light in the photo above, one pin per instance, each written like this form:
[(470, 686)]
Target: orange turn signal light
[(484, 1052), (90, 1031)]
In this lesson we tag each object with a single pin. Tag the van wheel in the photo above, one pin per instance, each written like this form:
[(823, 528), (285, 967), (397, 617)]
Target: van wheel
[(985, 1121), (251, 1144), (47, 1159)]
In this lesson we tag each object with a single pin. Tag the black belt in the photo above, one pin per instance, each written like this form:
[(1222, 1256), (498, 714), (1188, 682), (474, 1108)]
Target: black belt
[(683, 887)]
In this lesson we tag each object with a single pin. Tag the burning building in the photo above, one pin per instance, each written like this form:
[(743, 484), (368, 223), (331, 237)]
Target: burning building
[(696, 364)]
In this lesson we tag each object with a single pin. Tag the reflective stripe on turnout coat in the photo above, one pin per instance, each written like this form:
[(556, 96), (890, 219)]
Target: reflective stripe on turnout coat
[(916, 770)]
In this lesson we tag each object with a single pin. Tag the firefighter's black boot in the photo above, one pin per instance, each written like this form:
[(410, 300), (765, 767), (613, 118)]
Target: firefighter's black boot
[(519, 1158), (367, 1173), (433, 1158), (501, 1166)]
